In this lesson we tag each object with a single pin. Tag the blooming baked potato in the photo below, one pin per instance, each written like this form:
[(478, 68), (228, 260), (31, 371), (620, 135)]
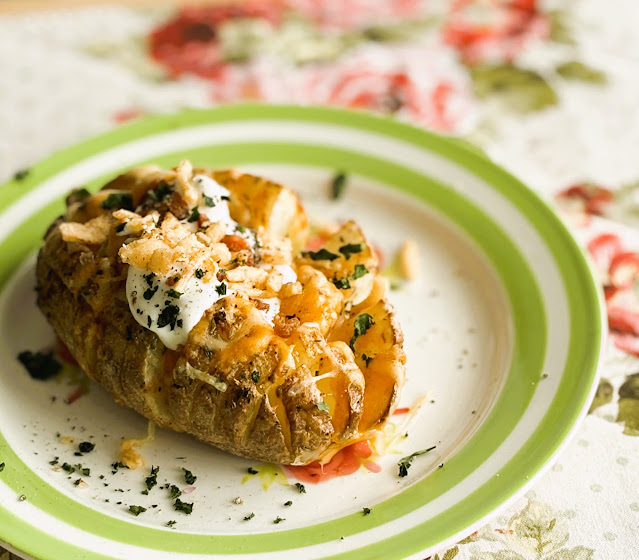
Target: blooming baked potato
[(186, 294)]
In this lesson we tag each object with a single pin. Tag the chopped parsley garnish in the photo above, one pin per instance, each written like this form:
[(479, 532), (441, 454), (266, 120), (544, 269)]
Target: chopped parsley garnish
[(323, 406), (195, 215), (145, 492), (278, 519), (86, 447), (251, 470), (289, 503), (149, 293), (249, 516), (321, 255), (226, 198), (85, 471), (136, 510), (351, 249), (208, 201), (170, 523), (21, 174), (338, 185), (367, 359), (300, 488), (160, 192), (54, 462), (189, 477), (149, 278), (255, 376), (221, 289), (168, 316), (199, 273), (77, 482), (118, 465), (120, 227), (152, 480), (360, 270), (240, 228), (173, 293), (118, 200), (174, 492), (405, 463), (69, 468), (341, 283), (149, 322), (363, 322), (366, 511), (40, 366), (179, 505), (2, 465)]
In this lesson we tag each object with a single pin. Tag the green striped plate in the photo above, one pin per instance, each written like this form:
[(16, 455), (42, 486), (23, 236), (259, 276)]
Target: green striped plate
[(503, 334)]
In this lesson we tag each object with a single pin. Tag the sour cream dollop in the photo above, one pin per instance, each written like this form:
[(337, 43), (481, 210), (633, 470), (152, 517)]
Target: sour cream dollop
[(168, 313)]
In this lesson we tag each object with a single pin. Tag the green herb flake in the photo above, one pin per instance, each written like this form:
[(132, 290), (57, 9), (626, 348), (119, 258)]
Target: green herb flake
[(363, 322), (168, 316), (289, 503), (366, 511), (300, 488), (341, 283), (118, 200), (351, 249), (40, 366), (240, 228), (69, 468), (221, 289), (360, 270), (189, 477), (321, 255), (338, 185), (152, 480), (54, 462), (405, 463), (199, 273), (195, 215), (117, 465), (174, 492), (249, 516), (21, 175), (323, 406), (251, 470), (278, 519), (136, 510), (367, 359), (208, 201), (149, 293), (173, 293), (145, 492), (179, 505), (170, 523), (84, 470), (149, 278), (255, 376), (162, 191)]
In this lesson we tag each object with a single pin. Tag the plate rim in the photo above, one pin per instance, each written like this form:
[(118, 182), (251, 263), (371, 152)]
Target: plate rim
[(380, 125)]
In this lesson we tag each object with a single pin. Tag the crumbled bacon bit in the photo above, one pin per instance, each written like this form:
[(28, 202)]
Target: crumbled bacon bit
[(260, 305), (235, 243)]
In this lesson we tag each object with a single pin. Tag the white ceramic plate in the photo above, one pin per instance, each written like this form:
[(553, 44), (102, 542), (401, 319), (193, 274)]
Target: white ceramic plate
[(503, 332)]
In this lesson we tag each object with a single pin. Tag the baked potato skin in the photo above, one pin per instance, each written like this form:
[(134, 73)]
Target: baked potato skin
[(258, 394)]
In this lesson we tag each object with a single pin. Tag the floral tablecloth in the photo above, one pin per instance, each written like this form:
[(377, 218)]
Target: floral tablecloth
[(548, 89)]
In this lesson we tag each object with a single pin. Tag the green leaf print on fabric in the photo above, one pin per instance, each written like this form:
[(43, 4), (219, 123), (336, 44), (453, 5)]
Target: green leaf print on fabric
[(575, 70), (560, 31), (518, 89), (448, 555), (537, 532), (629, 405), (602, 396)]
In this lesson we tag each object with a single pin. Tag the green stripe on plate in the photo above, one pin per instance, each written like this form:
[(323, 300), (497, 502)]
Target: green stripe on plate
[(524, 296)]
